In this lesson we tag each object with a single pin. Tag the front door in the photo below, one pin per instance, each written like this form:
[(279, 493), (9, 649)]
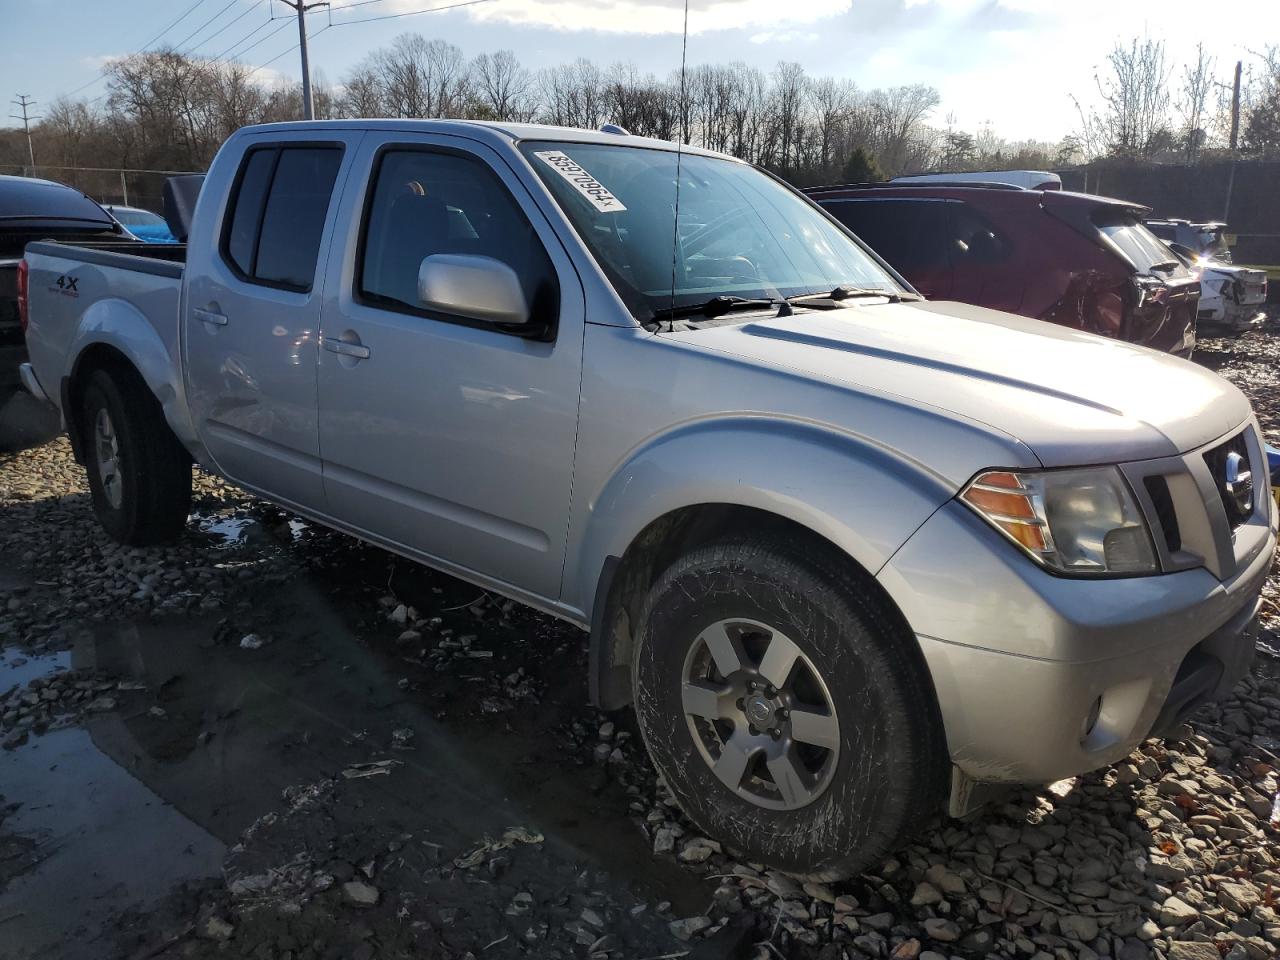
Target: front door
[(251, 316), (442, 434)]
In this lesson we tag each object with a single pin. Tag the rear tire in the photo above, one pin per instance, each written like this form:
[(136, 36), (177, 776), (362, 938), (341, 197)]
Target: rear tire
[(844, 752), (139, 474)]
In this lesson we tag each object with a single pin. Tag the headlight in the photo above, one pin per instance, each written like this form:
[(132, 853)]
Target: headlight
[(1073, 521)]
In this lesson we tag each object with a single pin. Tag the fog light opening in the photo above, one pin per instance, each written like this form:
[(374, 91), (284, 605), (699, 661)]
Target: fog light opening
[(1091, 720)]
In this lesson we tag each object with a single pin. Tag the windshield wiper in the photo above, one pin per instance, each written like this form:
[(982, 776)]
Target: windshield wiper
[(893, 296), (715, 307), (839, 293)]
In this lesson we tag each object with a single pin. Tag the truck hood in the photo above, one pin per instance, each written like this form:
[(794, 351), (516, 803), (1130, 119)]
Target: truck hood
[(1073, 398)]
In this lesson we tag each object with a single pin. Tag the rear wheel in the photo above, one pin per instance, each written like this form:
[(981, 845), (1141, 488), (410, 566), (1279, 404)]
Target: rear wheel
[(786, 709), (139, 474)]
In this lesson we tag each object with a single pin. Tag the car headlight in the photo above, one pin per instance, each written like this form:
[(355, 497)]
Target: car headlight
[(1082, 521)]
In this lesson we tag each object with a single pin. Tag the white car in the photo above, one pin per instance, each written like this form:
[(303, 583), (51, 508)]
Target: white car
[(1026, 179), (1230, 297)]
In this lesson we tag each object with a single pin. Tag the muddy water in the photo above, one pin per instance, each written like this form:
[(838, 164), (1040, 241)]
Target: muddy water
[(93, 838), (153, 794)]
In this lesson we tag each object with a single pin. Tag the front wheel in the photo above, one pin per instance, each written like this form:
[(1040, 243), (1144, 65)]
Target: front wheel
[(139, 474), (786, 709)]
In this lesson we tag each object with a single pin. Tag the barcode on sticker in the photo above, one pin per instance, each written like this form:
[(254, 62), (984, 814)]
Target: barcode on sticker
[(587, 185)]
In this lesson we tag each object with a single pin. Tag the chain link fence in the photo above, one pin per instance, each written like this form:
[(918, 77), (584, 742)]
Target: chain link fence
[(107, 185)]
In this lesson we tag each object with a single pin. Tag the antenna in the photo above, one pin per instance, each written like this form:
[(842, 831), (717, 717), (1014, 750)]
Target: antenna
[(675, 225)]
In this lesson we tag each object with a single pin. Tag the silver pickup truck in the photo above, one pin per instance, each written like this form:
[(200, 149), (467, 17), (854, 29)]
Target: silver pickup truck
[(851, 555)]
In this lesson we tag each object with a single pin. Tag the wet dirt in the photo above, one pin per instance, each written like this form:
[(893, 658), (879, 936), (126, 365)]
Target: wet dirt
[(211, 740)]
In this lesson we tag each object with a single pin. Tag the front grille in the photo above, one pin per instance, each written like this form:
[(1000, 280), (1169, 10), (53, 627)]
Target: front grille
[(1166, 516), (1216, 460)]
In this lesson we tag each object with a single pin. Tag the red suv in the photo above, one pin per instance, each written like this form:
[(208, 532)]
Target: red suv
[(1069, 258)]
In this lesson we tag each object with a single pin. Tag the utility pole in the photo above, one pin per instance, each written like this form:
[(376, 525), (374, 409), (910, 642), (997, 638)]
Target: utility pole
[(23, 103), (300, 8), (1235, 108)]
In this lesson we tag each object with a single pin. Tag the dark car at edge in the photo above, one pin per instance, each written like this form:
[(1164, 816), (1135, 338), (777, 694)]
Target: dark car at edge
[(1073, 259)]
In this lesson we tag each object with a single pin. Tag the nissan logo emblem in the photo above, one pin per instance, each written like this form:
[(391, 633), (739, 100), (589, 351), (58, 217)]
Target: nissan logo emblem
[(1239, 482)]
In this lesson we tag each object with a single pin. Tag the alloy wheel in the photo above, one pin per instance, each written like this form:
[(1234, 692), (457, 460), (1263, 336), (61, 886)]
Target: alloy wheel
[(761, 714)]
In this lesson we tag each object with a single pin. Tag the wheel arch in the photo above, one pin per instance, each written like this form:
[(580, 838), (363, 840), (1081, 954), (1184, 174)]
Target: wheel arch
[(115, 335), (627, 578)]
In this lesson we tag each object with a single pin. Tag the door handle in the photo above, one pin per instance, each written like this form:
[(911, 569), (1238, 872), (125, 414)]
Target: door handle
[(345, 348), (210, 316)]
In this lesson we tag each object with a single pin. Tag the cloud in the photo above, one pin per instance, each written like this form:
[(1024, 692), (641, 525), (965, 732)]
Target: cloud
[(98, 61), (785, 36), (658, 16)]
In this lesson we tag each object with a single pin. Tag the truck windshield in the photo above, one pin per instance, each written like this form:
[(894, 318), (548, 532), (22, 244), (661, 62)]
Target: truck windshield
[(1213, 242), (740, 233)]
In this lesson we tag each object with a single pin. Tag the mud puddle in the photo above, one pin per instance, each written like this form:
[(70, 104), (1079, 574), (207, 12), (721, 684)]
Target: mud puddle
[(294, 745), (81, 838)]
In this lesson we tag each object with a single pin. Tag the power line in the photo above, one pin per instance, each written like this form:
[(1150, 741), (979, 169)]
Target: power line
[(103, 72), (257, 29), (358, 3), (410, 13), (190, 10), (221, 10), (231, 23), (259, 42), (284, 53)]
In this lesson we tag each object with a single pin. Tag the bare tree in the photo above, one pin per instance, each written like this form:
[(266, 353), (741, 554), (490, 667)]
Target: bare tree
[(1135, 98), (502, 87), (1194, 101)]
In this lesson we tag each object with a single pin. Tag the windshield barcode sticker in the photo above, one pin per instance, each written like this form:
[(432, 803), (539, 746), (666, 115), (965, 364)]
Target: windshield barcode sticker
[(587, 185)]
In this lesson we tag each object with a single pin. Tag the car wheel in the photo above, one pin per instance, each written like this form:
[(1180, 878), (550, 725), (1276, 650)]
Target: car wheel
[(139, 474), (787, 707)]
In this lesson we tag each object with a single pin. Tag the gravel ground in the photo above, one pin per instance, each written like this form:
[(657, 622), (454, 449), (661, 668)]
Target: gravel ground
[(1169, 854)]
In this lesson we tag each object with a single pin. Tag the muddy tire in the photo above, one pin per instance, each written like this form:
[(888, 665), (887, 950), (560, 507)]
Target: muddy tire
[(139, 474), (787, 708)]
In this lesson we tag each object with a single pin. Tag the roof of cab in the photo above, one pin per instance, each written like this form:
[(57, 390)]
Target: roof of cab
[(483, 130)]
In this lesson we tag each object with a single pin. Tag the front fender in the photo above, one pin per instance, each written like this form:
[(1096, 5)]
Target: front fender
[(864, 498), (118, 324)]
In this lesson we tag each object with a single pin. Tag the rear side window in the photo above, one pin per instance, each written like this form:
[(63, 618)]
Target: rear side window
[(910, 234), (278, 212), (428, 202), (1142, 247), (974, 239)]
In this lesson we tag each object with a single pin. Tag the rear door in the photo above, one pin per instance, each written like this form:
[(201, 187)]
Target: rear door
[(251, 315), (909, 232), (440, 434), (985, 268)]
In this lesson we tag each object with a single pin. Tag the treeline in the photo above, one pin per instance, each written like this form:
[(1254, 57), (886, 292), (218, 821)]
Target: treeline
[(166, 110), (1149, 107)]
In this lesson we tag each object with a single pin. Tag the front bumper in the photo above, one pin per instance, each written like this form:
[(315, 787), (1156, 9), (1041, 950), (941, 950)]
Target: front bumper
[(1038, 677)]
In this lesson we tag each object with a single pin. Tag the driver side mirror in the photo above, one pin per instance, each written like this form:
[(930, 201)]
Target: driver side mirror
[(477, 288)]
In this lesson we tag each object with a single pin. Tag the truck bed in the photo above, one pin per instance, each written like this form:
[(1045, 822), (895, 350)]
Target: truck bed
[(125, 289), (161, 259)]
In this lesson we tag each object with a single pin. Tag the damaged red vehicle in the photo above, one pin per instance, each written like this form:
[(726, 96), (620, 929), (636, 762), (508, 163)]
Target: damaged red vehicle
[(1069, 258)]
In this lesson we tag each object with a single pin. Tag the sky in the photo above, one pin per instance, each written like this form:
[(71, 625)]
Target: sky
[(1010, 64)]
